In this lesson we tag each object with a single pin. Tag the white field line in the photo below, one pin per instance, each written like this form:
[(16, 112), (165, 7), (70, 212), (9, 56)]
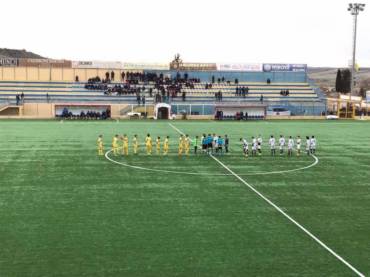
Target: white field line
[(206, 173), (284, 214)]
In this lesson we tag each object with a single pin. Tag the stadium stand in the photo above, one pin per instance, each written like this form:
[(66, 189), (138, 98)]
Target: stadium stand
[(199, 88)]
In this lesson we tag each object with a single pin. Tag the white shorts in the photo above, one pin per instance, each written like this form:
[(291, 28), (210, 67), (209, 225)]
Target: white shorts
[(298, 147)]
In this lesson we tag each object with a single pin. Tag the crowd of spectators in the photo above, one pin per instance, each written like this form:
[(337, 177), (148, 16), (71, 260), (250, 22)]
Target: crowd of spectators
[(284, 92), (89, 115), (124, 89), (218, 96), (160, 86), (96, 84), (241, 91)]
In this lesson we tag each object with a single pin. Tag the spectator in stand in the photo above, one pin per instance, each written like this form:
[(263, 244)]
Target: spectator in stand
[(213, 79), (236, 81), (268, 81), (112, 75), (107, 75), (77, 79), (123, 76), (143, 100), (284, 92), (261, 98)]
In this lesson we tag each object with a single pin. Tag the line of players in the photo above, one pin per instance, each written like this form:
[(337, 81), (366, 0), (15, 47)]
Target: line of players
[(120, 145), (210, 144), (291, 145)]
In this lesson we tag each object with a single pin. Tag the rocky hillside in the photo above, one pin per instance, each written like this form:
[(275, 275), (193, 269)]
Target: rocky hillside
[(15, 53)]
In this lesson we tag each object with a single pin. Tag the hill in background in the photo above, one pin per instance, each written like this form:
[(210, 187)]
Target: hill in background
[(325, 77), (16, 53)]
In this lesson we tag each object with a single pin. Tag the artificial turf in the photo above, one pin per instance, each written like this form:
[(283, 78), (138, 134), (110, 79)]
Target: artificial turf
[(64, 211)]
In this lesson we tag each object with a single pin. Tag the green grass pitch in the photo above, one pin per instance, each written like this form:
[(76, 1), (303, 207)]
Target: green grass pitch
[(64, 211)]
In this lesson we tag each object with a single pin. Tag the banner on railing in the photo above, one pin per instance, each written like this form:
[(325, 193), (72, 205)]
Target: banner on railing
[(283, 67), (146, 66), (45, 63), (97, 64), (247, 67), (194, 66), (9, 62)]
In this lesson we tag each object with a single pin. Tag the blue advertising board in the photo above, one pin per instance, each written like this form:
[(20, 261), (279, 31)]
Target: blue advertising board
[(284, 67)]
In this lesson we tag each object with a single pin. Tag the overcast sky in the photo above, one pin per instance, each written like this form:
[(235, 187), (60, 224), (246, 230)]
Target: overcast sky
[(288, 31)]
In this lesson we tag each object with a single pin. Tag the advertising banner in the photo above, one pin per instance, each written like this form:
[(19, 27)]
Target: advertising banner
[(146, 66), (246, 67), (194, 66), (281, 67), (8, 62), (97, 64), (45, 63)]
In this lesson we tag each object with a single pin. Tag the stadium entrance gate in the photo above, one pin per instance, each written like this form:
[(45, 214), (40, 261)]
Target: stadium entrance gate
[(162, 111)]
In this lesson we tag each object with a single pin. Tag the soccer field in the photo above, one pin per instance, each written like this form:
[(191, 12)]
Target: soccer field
[(65, 211)]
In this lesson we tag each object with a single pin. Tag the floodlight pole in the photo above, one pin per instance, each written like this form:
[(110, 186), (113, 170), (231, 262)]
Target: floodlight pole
[(355, 9)]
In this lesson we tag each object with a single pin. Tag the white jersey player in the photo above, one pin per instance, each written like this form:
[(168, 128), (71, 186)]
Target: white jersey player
[(313, 145), (272, 143), (281, 144), (254, 146), (290, 146), (214, 143), (245, 146), (259, 145), (298, 145), (308, 145)]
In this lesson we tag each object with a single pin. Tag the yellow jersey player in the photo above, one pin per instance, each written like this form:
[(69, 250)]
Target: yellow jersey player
[(100, 145), (125, 145), (148, 144), (166, 145), (187, 145), (135, 144), (158, 145), (181, 144), (115, 145)]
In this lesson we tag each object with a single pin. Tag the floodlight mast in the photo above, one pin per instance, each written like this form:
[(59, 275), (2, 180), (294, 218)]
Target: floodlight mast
[(354, 9)]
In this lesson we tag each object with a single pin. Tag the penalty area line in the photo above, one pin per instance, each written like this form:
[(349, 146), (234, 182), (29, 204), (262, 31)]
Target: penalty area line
[(283, 213)]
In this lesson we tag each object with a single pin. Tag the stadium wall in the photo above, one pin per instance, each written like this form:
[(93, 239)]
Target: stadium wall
[(38, 110), (55, 74), (42, 74), (206, 76)]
